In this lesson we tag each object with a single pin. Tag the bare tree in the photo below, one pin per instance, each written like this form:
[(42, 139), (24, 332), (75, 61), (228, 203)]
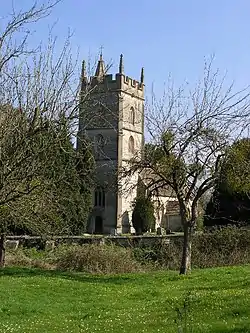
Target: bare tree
[(39, 97), (189, 135), (18, 24)]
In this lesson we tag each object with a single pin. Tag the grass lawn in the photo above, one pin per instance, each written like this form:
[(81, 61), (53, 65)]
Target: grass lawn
[(48, 301)]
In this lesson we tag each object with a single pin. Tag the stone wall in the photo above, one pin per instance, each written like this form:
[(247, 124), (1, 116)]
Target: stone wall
[(14, 242)]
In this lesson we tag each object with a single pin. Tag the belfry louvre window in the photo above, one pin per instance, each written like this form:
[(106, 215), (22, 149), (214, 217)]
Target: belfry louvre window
[(132, 116), (100, 197)]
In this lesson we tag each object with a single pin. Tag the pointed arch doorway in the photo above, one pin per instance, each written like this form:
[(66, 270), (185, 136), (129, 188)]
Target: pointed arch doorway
[(98, 225)]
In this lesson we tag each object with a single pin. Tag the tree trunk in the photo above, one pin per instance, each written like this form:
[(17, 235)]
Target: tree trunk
[(2, 250), (186, 250)]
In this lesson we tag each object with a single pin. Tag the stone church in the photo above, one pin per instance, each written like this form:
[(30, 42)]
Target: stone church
[(112, 117)]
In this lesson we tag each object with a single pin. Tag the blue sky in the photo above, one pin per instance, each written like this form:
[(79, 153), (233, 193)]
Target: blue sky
[(163, 36)]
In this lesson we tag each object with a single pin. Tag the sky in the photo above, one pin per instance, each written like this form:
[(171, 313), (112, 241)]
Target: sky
[(165, 37)]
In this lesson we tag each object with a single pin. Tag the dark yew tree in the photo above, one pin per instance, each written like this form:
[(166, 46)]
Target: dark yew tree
[(230, 201), (143, 218)]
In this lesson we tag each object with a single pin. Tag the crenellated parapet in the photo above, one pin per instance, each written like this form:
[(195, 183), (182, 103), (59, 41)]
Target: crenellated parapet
[(132, 83), (119, 81)]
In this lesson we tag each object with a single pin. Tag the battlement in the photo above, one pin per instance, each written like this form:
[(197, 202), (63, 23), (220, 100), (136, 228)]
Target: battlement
[(109, 82), (132, 82), (117, 81)]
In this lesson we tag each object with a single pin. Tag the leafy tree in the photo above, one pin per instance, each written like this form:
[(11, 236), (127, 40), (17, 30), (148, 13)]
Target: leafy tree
[(225, 208), (235, 173), (230, 202), (60, 189), (64, 186), (75, 197)]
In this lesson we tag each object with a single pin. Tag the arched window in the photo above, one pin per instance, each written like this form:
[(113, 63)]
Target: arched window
[(100, 197), (99, 144), (131, 145), (132, 115)]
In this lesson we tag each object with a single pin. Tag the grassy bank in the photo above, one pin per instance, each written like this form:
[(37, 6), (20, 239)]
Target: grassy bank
[(50, 301)]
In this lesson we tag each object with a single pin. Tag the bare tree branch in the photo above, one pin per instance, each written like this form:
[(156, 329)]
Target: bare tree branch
[(190, 133)]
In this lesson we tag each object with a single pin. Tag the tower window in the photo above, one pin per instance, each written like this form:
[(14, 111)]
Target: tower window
[(100, 197), (131, 145), (132, 116)]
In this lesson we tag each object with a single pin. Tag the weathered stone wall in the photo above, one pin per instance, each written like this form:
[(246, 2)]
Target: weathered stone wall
[(14, 242)]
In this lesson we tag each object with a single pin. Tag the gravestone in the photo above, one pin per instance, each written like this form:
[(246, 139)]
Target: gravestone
[(49, 245), (11, 244)]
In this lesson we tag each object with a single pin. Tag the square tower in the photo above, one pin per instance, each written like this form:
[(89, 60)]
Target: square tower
[(112, 117)]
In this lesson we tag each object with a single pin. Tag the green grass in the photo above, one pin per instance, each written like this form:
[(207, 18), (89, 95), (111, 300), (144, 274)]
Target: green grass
[(49, 301)]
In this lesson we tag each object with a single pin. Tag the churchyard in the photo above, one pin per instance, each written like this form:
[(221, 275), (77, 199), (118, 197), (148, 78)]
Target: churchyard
[(102, 287), (74, 159)]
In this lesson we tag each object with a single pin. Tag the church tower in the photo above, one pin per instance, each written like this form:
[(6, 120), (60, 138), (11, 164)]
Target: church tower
[(112, 117)]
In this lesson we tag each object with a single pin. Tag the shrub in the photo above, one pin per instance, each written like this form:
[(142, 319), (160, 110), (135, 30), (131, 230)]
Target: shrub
[(222, 247), (31, 258), (92, 258), (225, 247), (143, 218), (160, 256)]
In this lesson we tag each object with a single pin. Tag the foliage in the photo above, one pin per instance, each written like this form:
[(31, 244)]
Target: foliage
[(61, 199), (73, 191), (104, 259), (225, 208), (225, 247), (228, 246), (235, 173), (30, 258), (143, 218), (230, 202), (89, 258)]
